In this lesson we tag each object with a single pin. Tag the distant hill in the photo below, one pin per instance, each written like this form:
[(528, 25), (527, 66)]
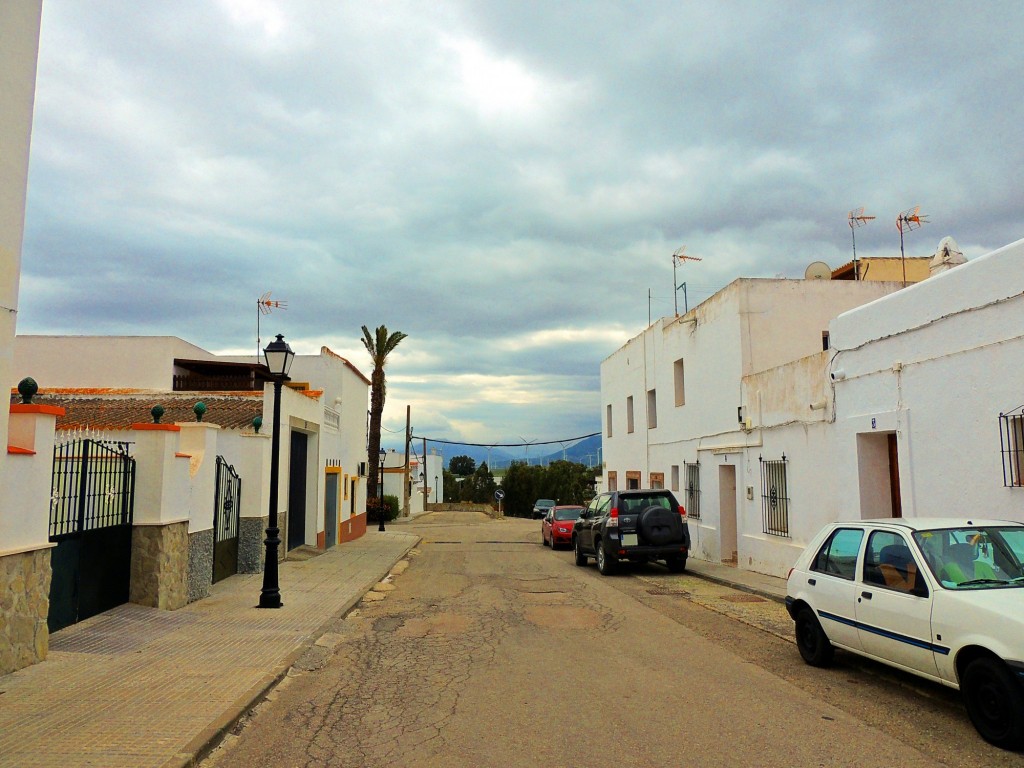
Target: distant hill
[(586, 451)]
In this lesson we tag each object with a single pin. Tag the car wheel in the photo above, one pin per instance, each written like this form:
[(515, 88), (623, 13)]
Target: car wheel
[(552, 544), (605, 564), (811, 639), (676, 564), (995, 702), (581, 559)]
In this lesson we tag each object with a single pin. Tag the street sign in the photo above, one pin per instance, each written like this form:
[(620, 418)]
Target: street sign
[(499, 494)]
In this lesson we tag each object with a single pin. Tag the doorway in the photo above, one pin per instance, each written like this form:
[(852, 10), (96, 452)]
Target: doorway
[(331, 507), (727, 513), (297, 490), (878, 471)]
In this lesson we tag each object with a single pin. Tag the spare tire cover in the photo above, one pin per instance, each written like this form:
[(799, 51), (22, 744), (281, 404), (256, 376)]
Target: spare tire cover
[(659, 526)]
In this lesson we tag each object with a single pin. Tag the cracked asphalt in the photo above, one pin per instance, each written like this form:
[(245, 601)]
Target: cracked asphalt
[(490, 650)]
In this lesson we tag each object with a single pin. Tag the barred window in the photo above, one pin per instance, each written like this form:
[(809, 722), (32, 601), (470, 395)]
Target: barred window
[(1011, 439), (774, 497), (692, 502)]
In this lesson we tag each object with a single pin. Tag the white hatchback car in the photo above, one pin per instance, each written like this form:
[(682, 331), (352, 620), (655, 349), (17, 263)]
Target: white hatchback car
[(940, 598)]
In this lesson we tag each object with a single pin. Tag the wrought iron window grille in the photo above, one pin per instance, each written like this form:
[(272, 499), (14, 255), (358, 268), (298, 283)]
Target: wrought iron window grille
[(1011, 446), (774, 497), (692, 503)]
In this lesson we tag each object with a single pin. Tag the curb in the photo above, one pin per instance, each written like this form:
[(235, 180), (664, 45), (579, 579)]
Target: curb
[(736, 585), (200, 747)]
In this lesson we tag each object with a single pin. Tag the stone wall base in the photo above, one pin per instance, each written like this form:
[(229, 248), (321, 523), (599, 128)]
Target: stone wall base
[(200, 564), (251, 551), (24, 606), (160, 565)]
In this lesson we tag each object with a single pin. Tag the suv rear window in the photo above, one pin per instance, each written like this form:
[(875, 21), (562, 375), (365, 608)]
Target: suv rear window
[(637, 502)]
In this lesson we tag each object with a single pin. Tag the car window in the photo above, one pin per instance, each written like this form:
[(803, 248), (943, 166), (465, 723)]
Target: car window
[(604, 504), (974, 558), (889, 562), (635, 503), (838, 555), (568, 514)]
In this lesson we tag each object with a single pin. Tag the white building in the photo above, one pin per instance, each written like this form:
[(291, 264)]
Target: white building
[(716, 405), (769, 426), (323, 441), (928, 417)]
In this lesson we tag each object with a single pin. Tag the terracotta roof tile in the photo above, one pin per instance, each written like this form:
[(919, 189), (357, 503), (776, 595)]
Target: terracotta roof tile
[(119, 409)]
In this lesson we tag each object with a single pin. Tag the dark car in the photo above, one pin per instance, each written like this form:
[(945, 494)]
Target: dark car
[(636, 525), (541, 507)]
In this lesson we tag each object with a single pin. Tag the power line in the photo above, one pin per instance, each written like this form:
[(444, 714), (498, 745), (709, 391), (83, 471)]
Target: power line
[(506, 445)]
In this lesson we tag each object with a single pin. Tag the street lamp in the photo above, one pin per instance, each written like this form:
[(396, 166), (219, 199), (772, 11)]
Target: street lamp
[(380, 509), (279, 358), (436, 500)]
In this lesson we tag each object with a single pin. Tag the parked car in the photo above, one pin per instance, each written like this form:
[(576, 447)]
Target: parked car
[(541, 507), (557, 526), (636, 525), (939, 598)]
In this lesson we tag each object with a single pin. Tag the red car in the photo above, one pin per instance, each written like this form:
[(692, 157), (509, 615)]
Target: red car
[(556, 528)]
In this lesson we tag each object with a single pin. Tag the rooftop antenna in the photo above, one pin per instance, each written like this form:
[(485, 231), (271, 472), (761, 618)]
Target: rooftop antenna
[(909, 220), (678, 258), (264, 304), (856, 218)]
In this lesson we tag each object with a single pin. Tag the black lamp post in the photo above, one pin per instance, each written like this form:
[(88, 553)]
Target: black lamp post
[(436, 500), (279, 360), (380, 509)]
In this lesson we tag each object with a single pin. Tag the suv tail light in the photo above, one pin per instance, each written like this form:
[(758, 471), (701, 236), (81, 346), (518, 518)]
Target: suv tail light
[(613, 518), (682, 510)]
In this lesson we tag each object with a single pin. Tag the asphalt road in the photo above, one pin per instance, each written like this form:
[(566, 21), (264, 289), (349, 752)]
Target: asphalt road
[(491, 650)]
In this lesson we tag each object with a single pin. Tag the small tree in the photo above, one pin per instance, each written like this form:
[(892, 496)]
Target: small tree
[(463, 466)]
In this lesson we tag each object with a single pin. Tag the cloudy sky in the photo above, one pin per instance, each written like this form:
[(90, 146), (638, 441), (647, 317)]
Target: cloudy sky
[(502, 181)]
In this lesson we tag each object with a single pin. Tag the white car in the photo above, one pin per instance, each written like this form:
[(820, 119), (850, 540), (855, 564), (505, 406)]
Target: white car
[(940, 598)]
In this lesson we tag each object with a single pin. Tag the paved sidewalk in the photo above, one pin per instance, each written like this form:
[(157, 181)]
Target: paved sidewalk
[(771, 587), (139, 687)]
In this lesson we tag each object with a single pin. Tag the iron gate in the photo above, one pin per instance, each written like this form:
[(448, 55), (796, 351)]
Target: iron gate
[(92, 498), (226, 509)]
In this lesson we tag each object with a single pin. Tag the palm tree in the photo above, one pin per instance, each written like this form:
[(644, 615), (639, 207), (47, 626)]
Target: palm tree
[(380, 344)]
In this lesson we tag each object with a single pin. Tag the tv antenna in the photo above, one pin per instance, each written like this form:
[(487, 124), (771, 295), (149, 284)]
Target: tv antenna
[(678, 258), (855, 219), (264, 305), (909, 220)]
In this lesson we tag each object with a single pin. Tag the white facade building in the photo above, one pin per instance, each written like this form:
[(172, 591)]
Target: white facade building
[(696, 402), (323, 441), (914, 408)]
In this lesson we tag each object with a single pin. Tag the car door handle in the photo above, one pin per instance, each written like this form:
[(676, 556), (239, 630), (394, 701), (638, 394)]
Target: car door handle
[(812, 582), (866, 595)]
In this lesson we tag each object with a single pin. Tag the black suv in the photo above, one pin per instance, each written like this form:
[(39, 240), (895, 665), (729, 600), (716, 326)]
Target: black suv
[(632, 525)]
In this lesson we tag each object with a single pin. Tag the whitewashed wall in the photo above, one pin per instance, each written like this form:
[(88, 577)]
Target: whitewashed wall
[(19, 45), (136, 362), (936, 364)]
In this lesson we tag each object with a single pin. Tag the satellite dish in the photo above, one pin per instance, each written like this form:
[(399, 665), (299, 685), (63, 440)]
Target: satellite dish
[(818, 270)]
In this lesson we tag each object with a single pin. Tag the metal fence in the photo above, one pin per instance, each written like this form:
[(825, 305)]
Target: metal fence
[(93, 486), (774, 497)]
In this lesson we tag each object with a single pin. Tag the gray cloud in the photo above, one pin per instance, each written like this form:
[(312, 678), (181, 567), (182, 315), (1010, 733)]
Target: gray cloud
[(504, 182)]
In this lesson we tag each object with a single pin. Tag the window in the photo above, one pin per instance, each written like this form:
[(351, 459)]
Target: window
[(1011, 440), (657, 480), (652, 409), (675, 477), (824, 341), (677, 376), (692, 502), (774, 497), (888, 562), (613, 481), (629, 414), (838, 555), (632, 480), (608, 420)]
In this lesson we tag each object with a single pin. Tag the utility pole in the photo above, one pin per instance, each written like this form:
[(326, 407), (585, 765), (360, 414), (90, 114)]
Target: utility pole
[(405, 476)]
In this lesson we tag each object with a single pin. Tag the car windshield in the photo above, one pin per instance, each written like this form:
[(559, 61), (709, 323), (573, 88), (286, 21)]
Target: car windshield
[(974, 557), (568, 513), (545, 503)]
